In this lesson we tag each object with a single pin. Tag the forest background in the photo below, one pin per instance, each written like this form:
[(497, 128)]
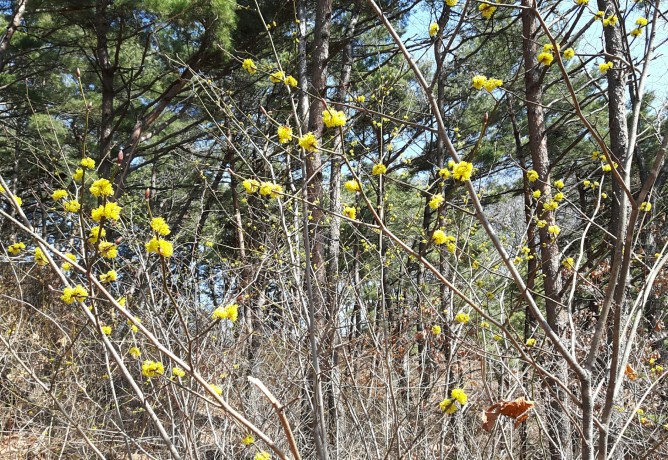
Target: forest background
[(392, 229)]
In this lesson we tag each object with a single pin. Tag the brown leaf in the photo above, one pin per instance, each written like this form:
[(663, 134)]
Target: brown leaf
[(630, 372), (517, 409)]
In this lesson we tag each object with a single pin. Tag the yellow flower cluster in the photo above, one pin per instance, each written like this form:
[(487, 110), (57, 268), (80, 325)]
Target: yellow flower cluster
[(88, 163), (159, 226), (436, 201), (40, 258), (108, 250), (480, 81), (279, 77), (433, 29), (101, 187), (462, 171), (462, 317), (545, 58), (16, 248), (645, 206), (178, 372), (58, 194), (262, 455), (249, 66), (134, 352), (486, 10), (72, 206), (68, 265), (248, 440), (333, 118), (604, 67), (457, 395), (230, 312), (352, 186), (349, 212), (610, 21), (108, 277), (270, 189), (96, 233), (531, 342), (378, 169), (108, 210), (436, 329), (159, 246), (308, 142), (152, 369), (75, 294), (284, 134), (532, 175)]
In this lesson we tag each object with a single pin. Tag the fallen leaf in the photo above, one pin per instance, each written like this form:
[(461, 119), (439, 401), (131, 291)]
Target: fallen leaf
[(517, 409)]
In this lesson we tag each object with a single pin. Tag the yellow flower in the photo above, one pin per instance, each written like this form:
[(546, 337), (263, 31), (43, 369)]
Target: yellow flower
[(106, 330), (230, 312), (251, 185), (248, 440), (107, 211), (78, 174), (96, 233), (545, 58), (444, 173), (642, 22), (549, 47), (581, 2), (645, 206), (108, 277), (88, 163), (349, 212), (605, 66), (284, 134), (263, 455), (551, 206), (637, 32), (270, 189), (291, 81), (439, 237), (486, 10), (277, 77), (451, 3), (159, 226), (568, 262), (72, 206), (606, 168), (558, 197), (559, 184), (541, 223), (462, 317), (378, 169), (75, 294), (134, 352), (492, 83), (16, 248), (360, 99), (462, 171), (108, 250), (436, 329), (610, 21), (448, 406), (532, 175), (216, 389), (352, 186), (531, 342), (178, 372), (569, 53), (101, 187), (161, 247), (249, 66), (40, 258), (152, 369), (433, 29), (553, 230), (333, 118), (497, 337), (484, 324), (436, 201), (479, 81), (67, 265), (58, 194), (460, 395), (308, 142), (536, 194)]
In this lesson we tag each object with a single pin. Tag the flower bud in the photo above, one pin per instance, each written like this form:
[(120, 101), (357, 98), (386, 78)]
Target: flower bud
[(119, 159), (78, 73), (147, 194)]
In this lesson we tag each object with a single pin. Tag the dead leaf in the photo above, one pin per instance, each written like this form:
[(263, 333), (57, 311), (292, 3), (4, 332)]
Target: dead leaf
[(517, 409), (630, 372)]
